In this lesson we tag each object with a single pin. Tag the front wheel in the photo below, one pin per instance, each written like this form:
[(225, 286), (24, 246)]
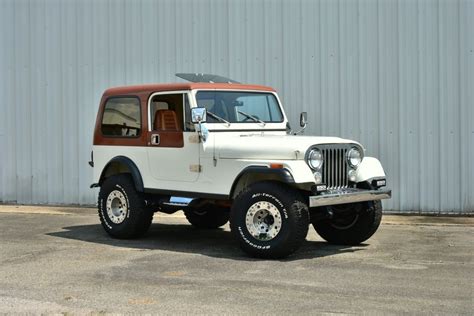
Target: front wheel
[(352, 224), (269, 220)]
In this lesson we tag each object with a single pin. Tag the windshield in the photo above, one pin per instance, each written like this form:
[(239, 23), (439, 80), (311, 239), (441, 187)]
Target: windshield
[(239, 107)]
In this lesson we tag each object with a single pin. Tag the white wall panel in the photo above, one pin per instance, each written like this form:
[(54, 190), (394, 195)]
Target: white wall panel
[(396, 75)]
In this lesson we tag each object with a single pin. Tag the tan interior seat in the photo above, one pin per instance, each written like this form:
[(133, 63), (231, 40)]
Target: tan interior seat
[(166, 120)]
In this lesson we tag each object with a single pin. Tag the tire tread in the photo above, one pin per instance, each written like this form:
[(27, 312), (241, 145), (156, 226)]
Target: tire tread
[(289, 197), (141, 219), (360, 232)]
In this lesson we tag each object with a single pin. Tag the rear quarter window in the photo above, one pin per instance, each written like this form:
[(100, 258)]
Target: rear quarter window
[(121, 117)]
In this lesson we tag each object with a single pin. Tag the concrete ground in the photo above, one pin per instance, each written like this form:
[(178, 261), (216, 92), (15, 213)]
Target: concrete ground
[(59, 260)]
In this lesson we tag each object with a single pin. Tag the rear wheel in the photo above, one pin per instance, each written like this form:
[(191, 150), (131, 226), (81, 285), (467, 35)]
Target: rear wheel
[(351, 224), (209, 217), (122, 210), (269, 220)]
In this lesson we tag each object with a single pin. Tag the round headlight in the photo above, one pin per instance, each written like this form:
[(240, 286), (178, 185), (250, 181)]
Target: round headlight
[(315, 159), (354, 157)]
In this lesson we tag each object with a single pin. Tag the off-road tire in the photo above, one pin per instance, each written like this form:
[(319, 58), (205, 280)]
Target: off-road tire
[(210, 217), (367, 223), (137, 219), (294, 219)]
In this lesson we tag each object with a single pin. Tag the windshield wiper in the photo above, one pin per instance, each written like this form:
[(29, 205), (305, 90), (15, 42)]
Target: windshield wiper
[(252, 117), (217, 117)]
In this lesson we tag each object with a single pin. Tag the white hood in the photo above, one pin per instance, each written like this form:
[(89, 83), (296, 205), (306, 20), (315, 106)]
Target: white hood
[(280, 147)]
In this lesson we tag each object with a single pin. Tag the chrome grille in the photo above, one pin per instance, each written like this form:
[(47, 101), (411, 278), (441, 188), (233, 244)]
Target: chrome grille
[(335, 168)]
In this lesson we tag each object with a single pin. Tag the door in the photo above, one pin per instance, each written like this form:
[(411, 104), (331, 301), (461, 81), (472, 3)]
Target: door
[(173, 144)]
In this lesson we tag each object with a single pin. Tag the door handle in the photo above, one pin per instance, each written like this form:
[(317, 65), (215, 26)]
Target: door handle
[(155, 139)]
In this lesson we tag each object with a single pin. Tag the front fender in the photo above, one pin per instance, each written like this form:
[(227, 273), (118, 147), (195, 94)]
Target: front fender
[(369, 168), (300, 171)]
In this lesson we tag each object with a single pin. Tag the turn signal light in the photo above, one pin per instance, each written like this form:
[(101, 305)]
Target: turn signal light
[(276, 166)]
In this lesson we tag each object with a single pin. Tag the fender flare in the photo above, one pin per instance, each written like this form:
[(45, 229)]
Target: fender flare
[(283, 174), (370, 168), (131, 166)]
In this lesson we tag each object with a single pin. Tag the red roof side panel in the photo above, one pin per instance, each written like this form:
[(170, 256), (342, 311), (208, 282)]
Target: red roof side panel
[(151, 88)]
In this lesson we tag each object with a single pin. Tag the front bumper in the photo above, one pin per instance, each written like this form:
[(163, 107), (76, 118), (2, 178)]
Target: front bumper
[(345, 196)]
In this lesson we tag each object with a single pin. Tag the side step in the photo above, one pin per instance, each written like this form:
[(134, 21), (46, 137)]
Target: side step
[(176, 201)]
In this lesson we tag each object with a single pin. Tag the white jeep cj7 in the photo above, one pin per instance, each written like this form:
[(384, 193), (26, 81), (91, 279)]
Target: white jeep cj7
[(220, 150)]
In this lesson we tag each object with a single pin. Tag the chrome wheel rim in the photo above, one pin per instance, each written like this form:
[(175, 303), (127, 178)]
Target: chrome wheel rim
[(263, 221), (117, 207)]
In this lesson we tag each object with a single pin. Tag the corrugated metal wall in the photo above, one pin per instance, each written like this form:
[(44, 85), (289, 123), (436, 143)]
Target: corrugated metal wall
[(396, 75)]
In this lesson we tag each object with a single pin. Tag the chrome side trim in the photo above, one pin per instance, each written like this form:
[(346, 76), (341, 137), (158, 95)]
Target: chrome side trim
[(178, 201), (348, 197)]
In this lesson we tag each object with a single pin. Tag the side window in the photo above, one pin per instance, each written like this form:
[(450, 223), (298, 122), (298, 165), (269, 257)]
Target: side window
[(121, 117), (170, 112)]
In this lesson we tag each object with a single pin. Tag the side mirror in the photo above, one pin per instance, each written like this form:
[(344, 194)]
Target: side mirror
[(198, 115), (303, 119)]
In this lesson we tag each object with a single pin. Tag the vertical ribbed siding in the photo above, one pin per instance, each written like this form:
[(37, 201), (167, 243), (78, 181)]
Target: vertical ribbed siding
[(395, 75), (3, 93)]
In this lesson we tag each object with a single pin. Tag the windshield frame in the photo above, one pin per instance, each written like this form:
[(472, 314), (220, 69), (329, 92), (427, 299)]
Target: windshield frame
[(251, 125)]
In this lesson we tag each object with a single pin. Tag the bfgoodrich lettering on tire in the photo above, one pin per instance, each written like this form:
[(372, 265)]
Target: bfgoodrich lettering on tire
[(269, 220), (122, 209)]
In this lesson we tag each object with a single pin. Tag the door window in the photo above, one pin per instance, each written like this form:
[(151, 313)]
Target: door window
[(162, 104)]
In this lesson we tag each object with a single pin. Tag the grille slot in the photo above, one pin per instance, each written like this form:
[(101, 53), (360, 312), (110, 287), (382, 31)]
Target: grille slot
[(335, 168)]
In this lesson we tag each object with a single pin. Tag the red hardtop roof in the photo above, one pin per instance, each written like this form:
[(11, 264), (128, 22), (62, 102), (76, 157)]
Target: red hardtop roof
[(151, 88)]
